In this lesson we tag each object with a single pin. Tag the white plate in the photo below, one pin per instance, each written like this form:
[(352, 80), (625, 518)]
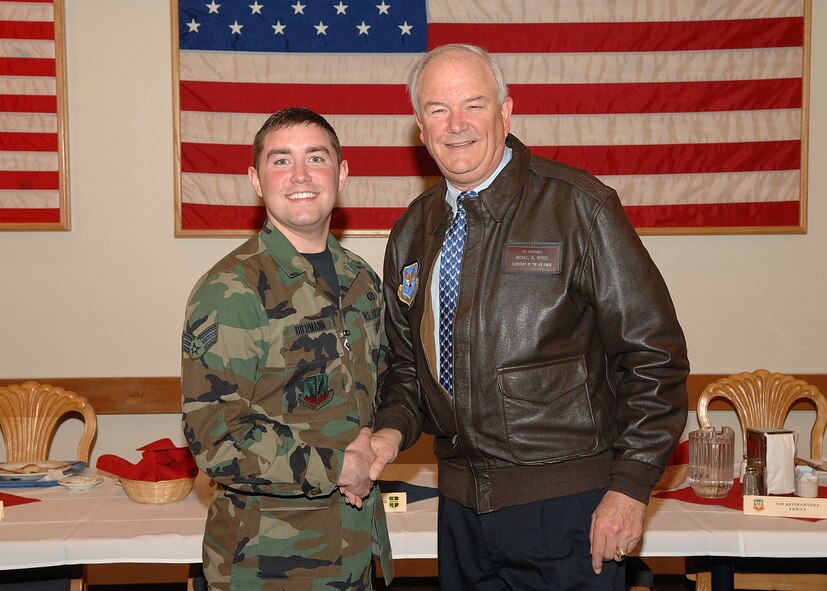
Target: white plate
[(80, 483), (9, 470)]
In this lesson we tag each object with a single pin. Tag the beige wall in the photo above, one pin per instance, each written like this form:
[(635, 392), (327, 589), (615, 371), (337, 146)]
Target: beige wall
[(107, 298)]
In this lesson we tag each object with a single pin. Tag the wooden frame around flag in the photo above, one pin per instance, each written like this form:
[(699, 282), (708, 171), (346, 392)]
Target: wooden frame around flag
[(680, 166), (34, 156)]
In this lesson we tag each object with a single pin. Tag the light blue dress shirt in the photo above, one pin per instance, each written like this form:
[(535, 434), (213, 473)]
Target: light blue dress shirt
[(451, 198)]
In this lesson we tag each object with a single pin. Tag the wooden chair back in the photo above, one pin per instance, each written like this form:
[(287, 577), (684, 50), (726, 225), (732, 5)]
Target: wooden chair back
[(29, 415), (763, 399)]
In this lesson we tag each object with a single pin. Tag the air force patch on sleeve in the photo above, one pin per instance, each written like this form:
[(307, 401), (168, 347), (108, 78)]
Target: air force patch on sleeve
[(197, 346), (410, 283)]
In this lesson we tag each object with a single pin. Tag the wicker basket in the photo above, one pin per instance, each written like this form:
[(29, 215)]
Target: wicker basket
[(157, 493), (673, 477)]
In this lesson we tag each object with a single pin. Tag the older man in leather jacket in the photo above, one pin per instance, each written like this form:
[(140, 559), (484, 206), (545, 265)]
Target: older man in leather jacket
[(567, 386)]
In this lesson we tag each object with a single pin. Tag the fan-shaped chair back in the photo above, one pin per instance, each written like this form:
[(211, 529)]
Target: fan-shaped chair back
[(763, 399), (29, 415)]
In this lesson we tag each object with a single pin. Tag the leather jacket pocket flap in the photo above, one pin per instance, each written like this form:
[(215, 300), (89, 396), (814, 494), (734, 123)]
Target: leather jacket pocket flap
[(547, 411), (542, 382)]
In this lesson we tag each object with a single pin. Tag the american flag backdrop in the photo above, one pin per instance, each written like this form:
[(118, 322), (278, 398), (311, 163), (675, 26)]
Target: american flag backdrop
[(34, 191), (694, 111)]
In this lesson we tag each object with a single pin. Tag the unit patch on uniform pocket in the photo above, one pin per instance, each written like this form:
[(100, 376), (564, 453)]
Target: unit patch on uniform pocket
[(316, 393)]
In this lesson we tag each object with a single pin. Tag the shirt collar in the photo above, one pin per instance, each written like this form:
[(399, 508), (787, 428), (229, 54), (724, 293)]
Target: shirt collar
[(294, 264), (452, 192)]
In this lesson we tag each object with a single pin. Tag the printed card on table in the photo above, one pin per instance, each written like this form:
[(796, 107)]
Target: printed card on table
[(395, 502)]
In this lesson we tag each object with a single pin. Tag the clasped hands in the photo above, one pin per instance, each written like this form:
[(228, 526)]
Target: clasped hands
[(365, 458)]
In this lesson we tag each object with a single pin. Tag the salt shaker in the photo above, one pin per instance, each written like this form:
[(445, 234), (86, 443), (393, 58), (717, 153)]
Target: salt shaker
[(750, 481)]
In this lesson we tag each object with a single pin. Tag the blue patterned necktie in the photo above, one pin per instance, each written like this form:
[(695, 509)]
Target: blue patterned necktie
[(449, 268)]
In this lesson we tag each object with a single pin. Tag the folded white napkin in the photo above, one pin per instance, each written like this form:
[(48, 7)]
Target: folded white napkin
[(780, 468)]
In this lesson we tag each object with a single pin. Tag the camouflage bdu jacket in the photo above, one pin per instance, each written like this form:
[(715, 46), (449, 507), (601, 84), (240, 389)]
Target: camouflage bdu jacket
[(278, 376)]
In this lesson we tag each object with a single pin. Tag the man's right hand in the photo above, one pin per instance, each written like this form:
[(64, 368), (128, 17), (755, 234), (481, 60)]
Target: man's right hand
[(359, 457), (385, 444)]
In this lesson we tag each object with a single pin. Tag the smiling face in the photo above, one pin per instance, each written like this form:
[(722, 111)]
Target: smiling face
[(299, 178), (461, 122)]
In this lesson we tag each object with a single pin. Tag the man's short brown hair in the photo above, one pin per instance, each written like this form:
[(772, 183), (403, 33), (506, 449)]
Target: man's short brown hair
[(291, 117)]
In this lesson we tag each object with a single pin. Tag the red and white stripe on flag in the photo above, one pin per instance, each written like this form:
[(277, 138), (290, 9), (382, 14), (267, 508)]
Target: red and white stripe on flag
[(693, 111), (33, 158)]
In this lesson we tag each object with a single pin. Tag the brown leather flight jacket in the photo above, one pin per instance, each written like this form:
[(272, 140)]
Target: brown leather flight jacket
[(569, 362)]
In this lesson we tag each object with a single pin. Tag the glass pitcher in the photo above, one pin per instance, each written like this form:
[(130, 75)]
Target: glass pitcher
[(711, 461)]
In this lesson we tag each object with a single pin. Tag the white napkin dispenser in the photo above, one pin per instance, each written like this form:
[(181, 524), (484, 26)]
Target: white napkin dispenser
[(772, 451)]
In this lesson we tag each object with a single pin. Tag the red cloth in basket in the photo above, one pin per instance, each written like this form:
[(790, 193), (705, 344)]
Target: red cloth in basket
[(161, 460)]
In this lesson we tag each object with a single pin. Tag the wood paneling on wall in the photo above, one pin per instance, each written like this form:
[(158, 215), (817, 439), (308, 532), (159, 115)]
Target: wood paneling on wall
[(163, 395)]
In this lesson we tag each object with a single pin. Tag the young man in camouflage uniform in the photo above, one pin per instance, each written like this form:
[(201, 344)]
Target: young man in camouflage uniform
[(281, 353)]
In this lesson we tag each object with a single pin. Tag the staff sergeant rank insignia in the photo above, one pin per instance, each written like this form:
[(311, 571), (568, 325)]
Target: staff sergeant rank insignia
[(410, 283)]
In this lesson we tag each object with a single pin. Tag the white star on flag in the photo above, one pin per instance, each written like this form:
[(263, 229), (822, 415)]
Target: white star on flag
[(278, 28), (321, 28), (235, 28), (406, 28), (213, 7), (363, 28), (255, 7), (341, 7), (193, 26), (383, 8), (298, 7)]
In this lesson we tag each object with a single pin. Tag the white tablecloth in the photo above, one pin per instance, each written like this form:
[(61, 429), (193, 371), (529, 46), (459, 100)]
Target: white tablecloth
[(101, 526), (104, 526), (677, 528)]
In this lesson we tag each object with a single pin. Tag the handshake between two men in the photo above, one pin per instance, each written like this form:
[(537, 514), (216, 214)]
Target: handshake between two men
[(365, 458)]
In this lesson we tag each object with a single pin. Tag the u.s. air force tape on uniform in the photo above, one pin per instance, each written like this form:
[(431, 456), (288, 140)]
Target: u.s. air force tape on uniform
[(395, 502)]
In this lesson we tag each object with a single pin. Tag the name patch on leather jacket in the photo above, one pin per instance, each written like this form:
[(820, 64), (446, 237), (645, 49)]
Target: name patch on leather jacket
[(534, 257)]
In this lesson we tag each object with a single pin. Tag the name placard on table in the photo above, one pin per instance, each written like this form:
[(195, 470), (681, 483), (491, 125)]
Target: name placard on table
[(775, 506)]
